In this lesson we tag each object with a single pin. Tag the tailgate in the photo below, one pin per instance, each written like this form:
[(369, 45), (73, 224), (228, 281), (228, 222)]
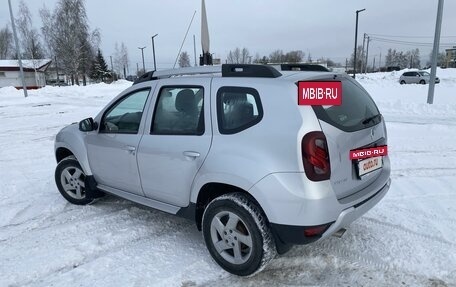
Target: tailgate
[(355, 124)]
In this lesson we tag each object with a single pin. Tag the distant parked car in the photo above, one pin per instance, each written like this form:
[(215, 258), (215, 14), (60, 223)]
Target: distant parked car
[(416, 77)]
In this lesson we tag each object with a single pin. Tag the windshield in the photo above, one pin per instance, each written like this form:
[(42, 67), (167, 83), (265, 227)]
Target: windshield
[(425, 74), (358, 110)]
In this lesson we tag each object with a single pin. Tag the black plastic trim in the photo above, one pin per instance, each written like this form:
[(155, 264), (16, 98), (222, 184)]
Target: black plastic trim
[(91, 187), (188, 212), (249, 70), (303, 67), (291, 234), (149, 76)]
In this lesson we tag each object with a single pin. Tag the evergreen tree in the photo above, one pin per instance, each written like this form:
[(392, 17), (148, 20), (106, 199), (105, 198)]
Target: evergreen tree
[(99, 69), (184, 60)]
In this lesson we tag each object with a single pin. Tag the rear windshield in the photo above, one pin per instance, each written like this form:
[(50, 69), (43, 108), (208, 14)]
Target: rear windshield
[(358, 111)]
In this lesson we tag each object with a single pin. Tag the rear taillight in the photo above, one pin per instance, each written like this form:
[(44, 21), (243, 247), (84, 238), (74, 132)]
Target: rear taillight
[(315, 156)]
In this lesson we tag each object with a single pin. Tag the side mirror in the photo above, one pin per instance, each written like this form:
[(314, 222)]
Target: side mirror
[(87, 125)]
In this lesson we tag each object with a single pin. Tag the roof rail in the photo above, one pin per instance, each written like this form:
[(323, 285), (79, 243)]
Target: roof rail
[(154, 75), (227, 70), (249, 70), (303, 67)]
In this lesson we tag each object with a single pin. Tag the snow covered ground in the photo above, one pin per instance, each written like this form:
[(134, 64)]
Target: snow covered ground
[(409, 239)]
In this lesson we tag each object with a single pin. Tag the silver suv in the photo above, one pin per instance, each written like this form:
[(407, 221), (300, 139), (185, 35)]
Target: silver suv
[(230, 148), (416, 77)]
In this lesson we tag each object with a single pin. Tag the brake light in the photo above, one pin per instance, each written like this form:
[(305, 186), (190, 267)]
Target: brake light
[(315, 156)]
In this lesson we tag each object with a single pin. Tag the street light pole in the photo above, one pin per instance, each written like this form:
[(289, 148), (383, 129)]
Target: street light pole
[(142, 52), (435, 51), (153, 51), (18, 50), (356, 42)]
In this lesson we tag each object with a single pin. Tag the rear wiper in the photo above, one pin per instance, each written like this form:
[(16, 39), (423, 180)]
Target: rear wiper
[(370, 119)]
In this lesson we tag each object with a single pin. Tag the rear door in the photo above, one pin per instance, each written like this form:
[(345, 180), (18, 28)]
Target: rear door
[(355, 124), (177, 139)]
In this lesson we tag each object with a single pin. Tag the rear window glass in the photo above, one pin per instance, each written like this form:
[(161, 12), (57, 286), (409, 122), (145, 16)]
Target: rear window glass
[(358, 110)]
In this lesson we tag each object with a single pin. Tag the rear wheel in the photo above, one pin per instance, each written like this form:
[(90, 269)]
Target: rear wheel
[(402, 82), (70, 180), (237, 234), (422, 82)]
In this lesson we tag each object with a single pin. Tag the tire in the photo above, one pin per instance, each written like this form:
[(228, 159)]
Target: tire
[(231, 223), (70, 180), (402, 82), (423, 82)]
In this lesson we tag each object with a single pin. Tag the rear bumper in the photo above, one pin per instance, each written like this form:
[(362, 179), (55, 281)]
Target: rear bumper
[(291, 234), (293, 204)]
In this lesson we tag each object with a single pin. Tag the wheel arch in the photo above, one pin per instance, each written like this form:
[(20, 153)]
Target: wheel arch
[(212, 190), (61, 153)]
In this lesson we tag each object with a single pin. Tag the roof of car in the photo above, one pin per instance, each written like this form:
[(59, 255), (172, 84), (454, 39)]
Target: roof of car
[(236, 70)]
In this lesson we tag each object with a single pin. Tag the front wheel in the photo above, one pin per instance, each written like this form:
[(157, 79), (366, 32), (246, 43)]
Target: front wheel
[(423, 82), (237, 234), (70, 180), (402, 82)]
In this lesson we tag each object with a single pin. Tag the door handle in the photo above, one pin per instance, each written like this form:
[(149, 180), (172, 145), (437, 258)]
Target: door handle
[(129, 148), (193, 154)]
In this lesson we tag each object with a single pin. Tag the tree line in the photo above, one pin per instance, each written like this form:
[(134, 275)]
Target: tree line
[(66, 38)]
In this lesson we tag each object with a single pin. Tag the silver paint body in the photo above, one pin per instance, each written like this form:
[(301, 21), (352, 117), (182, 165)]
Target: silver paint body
[(167, 172)]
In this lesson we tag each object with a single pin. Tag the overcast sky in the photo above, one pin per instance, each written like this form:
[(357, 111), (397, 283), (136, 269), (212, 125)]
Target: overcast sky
[(322, 28)]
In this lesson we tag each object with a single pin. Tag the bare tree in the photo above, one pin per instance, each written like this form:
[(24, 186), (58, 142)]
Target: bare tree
[(277, 56), (294, 56), (6, 40), (184, 60), (121, 59), (238, 56), (67, 34), (30, 40)]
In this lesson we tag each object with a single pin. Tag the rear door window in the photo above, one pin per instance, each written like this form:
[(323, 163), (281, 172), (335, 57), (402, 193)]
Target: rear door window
[(238, 108), (358, 110)]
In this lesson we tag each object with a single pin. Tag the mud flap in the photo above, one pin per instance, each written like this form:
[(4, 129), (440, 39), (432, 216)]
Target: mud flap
[(91, 188)]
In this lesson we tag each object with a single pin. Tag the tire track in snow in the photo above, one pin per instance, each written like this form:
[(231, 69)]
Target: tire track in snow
[(408, 232), (107, 232)]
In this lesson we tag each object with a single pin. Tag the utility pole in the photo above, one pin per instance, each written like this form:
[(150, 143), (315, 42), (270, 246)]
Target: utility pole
[(373, 65), (356, 42), (380, 61), (142, 52), (363, 54), (112, 69), (18, 50), (57, 71), (435, 51), (153, 51), (367, 54)]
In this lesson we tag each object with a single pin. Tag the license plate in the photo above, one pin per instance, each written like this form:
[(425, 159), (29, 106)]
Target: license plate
[(368, 165)]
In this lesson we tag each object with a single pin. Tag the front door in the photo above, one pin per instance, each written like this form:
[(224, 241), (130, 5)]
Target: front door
[(177, 140), (112, 151)]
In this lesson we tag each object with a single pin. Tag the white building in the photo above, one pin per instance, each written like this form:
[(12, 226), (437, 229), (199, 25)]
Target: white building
[(33, 73)]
